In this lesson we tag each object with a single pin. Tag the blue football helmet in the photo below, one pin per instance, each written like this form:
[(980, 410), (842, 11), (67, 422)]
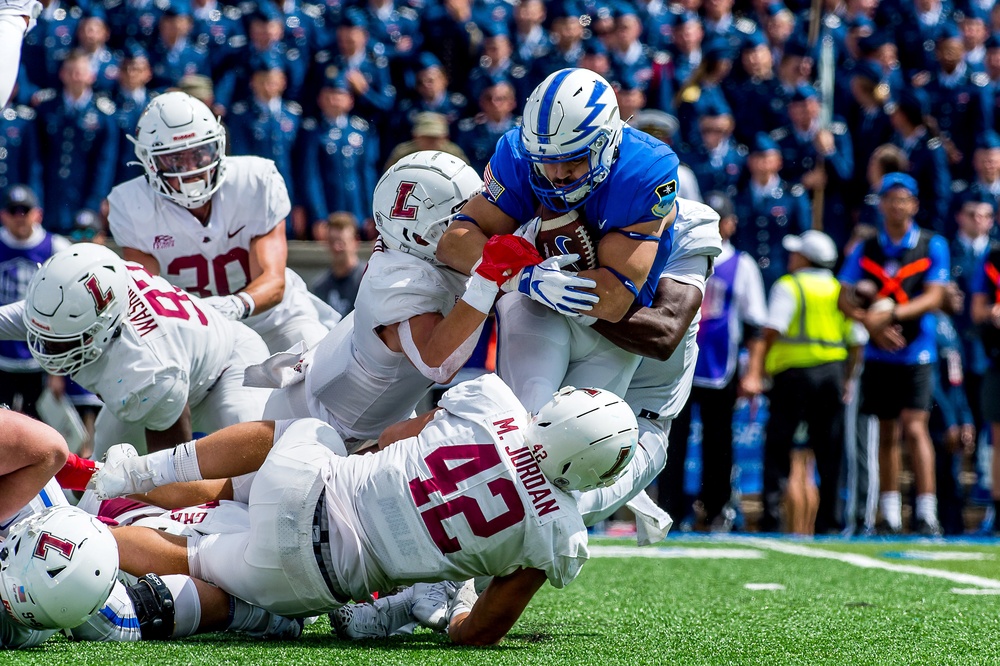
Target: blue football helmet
[(571, 114)]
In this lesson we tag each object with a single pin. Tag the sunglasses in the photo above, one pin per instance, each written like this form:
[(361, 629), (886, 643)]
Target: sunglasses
[(80, 235), (18, 210)]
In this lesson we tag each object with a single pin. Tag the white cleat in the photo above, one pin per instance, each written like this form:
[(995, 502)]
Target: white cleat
[(431, 602), (125, 472), (380, 619)]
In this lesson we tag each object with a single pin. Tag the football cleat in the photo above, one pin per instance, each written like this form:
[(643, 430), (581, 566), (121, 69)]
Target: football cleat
[(379, 619), (280, 628), (125, 472), (431, 602)]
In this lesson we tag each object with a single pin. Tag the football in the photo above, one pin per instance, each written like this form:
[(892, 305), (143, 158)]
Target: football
[(567, 233)]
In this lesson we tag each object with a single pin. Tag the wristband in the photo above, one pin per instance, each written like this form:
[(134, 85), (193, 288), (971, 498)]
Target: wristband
[(480, 293)]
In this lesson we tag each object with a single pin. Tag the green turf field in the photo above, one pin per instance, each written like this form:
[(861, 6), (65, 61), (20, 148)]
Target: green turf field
[(684, 602)]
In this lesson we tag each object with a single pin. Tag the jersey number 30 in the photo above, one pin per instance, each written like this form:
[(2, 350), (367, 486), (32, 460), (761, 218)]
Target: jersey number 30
[(444, 480)]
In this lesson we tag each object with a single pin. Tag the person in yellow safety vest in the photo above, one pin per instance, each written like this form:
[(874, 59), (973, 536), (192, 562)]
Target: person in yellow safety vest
[(807, 344)]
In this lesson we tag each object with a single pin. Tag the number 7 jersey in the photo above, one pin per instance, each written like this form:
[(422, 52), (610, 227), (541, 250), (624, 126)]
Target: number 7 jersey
[(465, 498)]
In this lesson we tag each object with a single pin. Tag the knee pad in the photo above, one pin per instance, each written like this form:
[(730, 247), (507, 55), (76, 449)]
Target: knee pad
[(154, 607)]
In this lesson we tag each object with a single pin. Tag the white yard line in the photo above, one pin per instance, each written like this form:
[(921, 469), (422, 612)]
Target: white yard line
[(677, 553), (866, 562)]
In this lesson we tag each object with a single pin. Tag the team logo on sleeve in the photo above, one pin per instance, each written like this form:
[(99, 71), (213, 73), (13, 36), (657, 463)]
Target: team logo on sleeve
[(491, 185), (665, 194)]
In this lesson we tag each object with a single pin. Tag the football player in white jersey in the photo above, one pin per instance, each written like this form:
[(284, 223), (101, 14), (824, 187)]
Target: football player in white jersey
[(164, 364), (214, 225), (416, 321), (17, 17), (435, 506)]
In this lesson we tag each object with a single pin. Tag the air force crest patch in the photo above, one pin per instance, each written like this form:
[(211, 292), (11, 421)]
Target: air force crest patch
[(666, 194)]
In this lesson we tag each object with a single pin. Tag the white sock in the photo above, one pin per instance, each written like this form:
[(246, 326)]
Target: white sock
[(187, 604), (161, 466), (185, 462), (927, 508), (244, 617), (891, 506)]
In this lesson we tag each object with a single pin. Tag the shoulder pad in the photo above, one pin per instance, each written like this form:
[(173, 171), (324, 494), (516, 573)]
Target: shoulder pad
[(359, 123), (959, 186), (45, 95), (838, 127), (408, 13), (742, 150), (293, 108), (105, 106), (745, 25), (239, 108), (309, 124), (232, 13), (466, 124), (980, 79), (934, 143), (25, 112), (779, 133), (797, 190)]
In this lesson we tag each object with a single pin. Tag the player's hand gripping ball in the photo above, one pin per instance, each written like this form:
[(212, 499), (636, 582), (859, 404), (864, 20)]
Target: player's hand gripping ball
[(567, 233)]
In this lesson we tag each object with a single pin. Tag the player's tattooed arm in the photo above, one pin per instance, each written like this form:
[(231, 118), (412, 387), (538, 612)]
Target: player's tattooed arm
[(657, 330), (462, 244), (497, 609), (268, 258), (30, 454), (178, 433)]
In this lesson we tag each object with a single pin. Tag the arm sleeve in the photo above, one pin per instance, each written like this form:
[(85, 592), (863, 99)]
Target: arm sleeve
[(12, 29), (12, 323), (850, 272), (692, 270), (751, 301), (782, 307), (940, 270)]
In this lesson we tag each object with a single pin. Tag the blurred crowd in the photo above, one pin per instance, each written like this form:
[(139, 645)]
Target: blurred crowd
[(791, 118)]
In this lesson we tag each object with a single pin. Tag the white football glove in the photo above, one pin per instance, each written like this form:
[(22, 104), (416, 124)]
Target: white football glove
[(529, 230), (233, 306), (561, 290)]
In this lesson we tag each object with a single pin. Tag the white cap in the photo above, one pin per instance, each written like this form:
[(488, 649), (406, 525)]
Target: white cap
[(815, 246)]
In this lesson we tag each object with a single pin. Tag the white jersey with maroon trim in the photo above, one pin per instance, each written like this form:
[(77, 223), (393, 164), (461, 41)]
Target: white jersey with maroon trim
[(465, 498), (214, 259)]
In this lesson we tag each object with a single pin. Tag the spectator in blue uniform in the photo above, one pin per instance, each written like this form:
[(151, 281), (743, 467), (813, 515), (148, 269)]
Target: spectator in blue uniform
[(567, 41), (172, 55), (867, 121), (762, 107), (78, 139), (531, 39), (24, 245), (395, 26), (219, 30), (478, 136), (134, 21), (819, 159), (718, 161), (19, 141), (266, 125), (928, 162), (498, 61), (337, 157), (130, 98), (769, 209), (986, 176), (47, 45), (702, 89), (452, 34), (92, 36)]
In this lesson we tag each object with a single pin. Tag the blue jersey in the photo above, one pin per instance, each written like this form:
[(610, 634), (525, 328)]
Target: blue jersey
[(923, 347), (641, 187)]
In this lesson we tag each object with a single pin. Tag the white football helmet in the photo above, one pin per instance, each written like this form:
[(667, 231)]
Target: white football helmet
[(57, 568), (182, 147), (74, 306), (583, 438), (415, 200), (571, 114)]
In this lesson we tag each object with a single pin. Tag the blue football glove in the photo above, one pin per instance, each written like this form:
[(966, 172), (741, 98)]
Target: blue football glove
[(561, 290)]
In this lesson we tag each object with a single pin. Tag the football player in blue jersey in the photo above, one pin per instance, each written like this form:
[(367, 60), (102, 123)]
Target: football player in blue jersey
[(573, 153)]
